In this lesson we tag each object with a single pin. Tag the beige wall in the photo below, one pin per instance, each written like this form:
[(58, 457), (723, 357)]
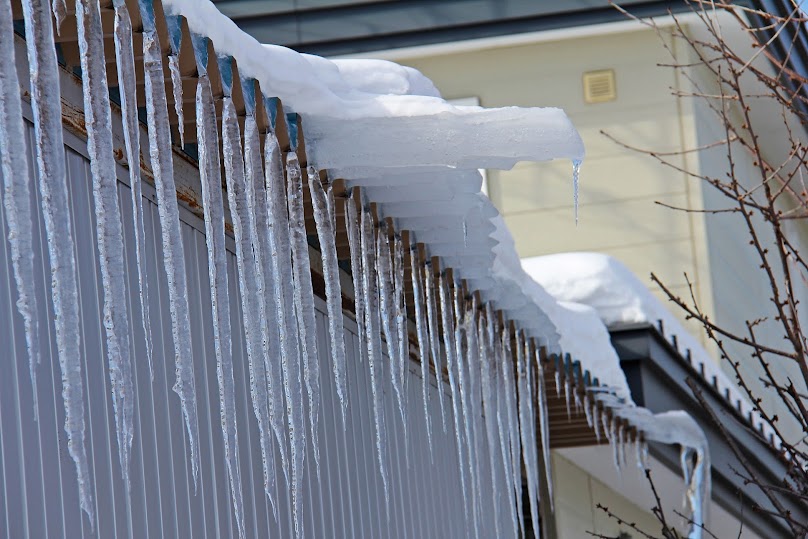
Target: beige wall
[(619, 187)]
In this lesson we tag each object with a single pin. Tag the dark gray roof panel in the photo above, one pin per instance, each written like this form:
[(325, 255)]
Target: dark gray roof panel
[(331, 27)]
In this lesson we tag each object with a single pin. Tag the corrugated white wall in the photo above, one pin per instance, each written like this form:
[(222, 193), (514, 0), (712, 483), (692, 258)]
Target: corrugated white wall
[(39, 496)]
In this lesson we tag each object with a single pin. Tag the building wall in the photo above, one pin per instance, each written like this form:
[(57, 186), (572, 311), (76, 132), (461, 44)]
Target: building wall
[(38, 486), (619, 186)]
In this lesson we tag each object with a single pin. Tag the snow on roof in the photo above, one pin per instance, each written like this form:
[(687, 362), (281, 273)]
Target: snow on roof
[(618, 296)]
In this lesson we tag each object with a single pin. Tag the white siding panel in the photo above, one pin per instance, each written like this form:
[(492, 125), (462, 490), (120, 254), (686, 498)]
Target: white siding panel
[(39, 496)]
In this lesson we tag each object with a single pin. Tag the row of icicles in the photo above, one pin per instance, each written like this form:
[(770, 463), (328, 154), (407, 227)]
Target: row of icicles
[(491, 403)]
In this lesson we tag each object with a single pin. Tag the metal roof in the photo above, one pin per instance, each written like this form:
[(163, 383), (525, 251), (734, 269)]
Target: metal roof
[(337, 27)]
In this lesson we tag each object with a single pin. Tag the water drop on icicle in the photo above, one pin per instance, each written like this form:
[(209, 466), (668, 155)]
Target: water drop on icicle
[(50, 159), (127, 86), (323, 218), (576, 169), (213, 203), (109, 230), (304, 297), (17, 193), (162, 165)]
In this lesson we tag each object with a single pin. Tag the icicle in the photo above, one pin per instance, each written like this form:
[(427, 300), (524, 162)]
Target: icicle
[(59, 13), (503, 425), (489, 407), (596, 419), (251, 286), (333, 291), (434, 344), (17, 193), (513, 422), (109, 232), (423, 340), (387, 303), (544, 426), (576, 169), (567, 391), (174, 25), (475, 396), (587, 410), (403, 356), (127, 85), (452, 367), (558, 382), (526, 426), (163, 169), (50, 154), (352, 229), (287, 324), (373, 334), (210, 177), (613, 443), (304, 297), (258, 222)]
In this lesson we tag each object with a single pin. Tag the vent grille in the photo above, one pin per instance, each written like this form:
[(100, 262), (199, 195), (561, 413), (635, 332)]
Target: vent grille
[(600, 86)]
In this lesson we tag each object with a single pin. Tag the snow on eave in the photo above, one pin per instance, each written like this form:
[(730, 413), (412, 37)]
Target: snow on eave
[(619, 297)]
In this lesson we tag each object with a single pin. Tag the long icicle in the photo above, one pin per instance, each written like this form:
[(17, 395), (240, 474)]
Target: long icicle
[(461, 346), (17, 193), (434, 338), (389, 310), (373, 334), (475, 392), (127, 85), (251, 285), (503, 421), (50, 154), (423, 340), (489, 408), (352, 230), (323, 202), (401, 315), (513, 422), (173, 252), (544, 424), (526, 425), (258, 222), (287, 323), (447, 319), (210, 177), (109, 231), (304, 297)]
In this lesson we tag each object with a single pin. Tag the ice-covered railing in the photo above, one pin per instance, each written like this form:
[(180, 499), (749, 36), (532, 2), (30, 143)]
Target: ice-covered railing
[(365, 152)]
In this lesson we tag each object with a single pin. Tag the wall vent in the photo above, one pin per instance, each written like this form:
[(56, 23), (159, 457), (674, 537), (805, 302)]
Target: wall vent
[(600, 86)]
